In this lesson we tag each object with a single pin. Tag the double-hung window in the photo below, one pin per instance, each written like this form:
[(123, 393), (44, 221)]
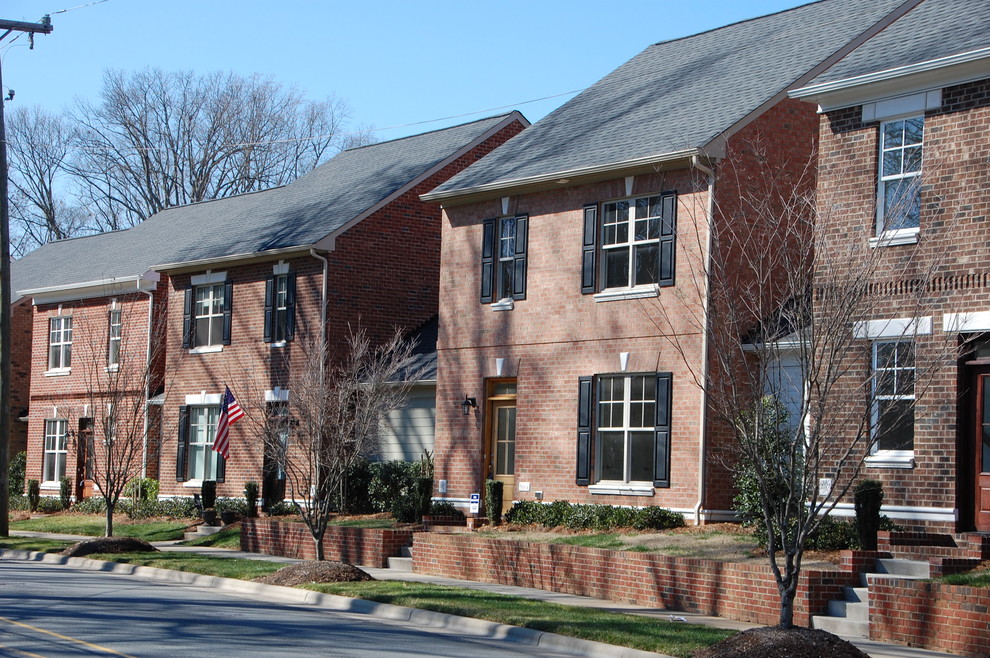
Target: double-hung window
[(60, 342), (624, 430), (899, 193), (56, 438), (115, 337), (207, 315), (280, 308), (893, 395), (632, 247), (503, 259), (202, 431)]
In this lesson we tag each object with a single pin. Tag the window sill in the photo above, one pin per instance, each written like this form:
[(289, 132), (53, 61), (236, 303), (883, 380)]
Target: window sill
[(114, 368), (277, 343), (620, 489), (50, 486), (57, 372), (193, 484), (503, 305), (890, 459), (206, 349), (895, 238), (637, 292)]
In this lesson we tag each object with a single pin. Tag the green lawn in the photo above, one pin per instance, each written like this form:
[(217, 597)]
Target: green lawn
[(969, 579), (649, 634), (226, 567), (226, 538), (34, 544), (94, 526)]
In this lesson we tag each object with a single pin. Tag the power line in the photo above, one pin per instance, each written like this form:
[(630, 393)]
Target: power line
[(90, 4)]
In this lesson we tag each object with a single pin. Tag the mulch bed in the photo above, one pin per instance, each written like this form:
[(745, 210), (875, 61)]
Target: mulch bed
[(109, 545), (770, 642), (313, 571)]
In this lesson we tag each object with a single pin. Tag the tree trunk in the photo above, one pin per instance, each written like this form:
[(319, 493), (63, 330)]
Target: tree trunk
[(319, 548), (109, 528), (787, 594)]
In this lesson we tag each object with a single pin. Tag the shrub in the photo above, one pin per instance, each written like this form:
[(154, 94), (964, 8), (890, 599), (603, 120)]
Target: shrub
[(49, 504), (493, 500), (525, 512), (208, 490), (445, 508), (15, 474), (92, 505), (592, 517), (18, 502), (868, 498), (142, 489), (389, 481), (34, 495), (657, 518), (251, 498), (833, 535), (282, 508), (357, 499), (65, 492)]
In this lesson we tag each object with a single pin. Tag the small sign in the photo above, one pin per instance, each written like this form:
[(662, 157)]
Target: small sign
[(475, 503)]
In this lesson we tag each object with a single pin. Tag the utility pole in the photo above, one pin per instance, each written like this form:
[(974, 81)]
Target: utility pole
[(44, 27)]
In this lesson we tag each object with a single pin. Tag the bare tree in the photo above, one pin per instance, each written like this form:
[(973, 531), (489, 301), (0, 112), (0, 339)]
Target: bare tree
[(159, 139), (782, 288), (333, 417), (122, 374)]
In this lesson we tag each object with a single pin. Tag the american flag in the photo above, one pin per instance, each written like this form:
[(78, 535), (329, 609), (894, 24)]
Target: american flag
[(230, 413)]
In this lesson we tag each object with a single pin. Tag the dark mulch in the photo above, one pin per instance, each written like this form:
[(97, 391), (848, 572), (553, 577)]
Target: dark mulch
[(314, 571), (771, 642), (109, 545)]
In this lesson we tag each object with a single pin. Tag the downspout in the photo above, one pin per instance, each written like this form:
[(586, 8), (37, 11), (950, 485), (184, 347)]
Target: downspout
[(323, 295), (703, 414), (147, 382)]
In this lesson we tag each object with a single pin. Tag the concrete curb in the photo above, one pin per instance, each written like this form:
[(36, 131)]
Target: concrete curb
[(295, 596)]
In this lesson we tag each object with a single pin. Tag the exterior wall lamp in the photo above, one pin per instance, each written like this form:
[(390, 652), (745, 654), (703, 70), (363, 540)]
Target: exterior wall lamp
[(468, 405)]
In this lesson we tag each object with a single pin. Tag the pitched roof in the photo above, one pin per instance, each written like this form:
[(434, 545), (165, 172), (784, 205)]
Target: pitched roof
[(325, 201), (932, 30), (678, 95)]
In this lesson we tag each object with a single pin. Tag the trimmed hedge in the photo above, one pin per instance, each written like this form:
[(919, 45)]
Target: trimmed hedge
[(591, 517)]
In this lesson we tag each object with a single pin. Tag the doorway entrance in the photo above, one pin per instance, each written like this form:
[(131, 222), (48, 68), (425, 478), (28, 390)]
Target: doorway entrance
[(84, 459), (980, 377), (500, 448)]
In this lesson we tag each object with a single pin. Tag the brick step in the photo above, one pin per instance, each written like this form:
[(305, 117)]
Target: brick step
[(888, 540), (925, 552)]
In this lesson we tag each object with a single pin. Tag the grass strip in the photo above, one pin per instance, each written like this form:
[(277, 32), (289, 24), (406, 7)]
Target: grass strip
[(34, 544), (636, 631), (967, 579), (224, 567), (94, 526), (226, 538)]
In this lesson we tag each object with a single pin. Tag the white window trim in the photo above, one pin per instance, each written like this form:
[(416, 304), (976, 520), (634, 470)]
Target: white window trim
[(212, 347), (203, 399), (609, 488), (57, 372), (896, 237), (893, 328), (208, 278), (891, 459), (878, 457), (504, 304), (620, 486), (896, 234), (112, 366), (629, 245), (277, 395), (45, 452), (277, 343), (206, 349), (62, 343), (636, 292)]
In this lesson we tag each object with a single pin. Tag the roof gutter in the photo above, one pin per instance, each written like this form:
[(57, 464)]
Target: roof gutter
[(563, 177), (199, 264)]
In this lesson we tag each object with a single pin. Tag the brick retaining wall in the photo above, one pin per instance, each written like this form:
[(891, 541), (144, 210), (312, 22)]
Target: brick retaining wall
[(931, 615), (746, 592), (368, 547)]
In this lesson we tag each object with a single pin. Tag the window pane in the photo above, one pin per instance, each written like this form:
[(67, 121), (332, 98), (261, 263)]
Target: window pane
[(914, 130), (893, 132), (641, 457), (647, 263), (505, 274), (616, 268), (67, 355), (902, 203), (612, 455), (912, 159), (642, 229), (610, 213), (622, 232), (642, 208), (504, 388), (895, 425), (203, 331), (892, 161), (508, 237)]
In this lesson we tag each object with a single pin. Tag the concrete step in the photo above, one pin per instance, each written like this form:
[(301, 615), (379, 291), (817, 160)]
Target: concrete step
[(857, 594), (841, 626), (849, 610), (406, 551), (202, 531), (902, 567), (400, 564)]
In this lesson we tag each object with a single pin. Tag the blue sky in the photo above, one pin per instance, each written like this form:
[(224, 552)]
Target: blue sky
[(399, 65)]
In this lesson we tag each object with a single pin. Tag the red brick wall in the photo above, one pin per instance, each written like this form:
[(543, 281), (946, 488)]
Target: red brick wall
[(931, 615), (369, 547), (70, 394), (953, 237), (21, 321), (745, 592)]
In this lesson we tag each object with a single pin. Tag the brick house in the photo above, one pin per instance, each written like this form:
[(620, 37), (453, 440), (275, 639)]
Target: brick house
[(239, 284), (560, 246), (905, 142)]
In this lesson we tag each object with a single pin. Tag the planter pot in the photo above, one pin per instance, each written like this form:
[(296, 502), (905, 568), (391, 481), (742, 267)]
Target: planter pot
[(228, 517), (210, 516)]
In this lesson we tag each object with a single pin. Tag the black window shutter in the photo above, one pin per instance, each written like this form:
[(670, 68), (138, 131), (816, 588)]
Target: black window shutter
[(269, 308), (590, 249), (661, 431), (221, 467), (228, 307), (585, 400), (668, 231), (182, 444), (290, 306), (487, 261), (187, 319), (519, 261)]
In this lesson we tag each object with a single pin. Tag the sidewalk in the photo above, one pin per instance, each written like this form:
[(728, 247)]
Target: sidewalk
[(874, 649)]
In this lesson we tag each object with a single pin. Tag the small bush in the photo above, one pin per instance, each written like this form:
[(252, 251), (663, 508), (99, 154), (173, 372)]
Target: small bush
[(493, 500), (282, 508), (357, 499), (657, 518), (65, 492), (34, 495), (389, 481), (15, 474), (525, 512), (49, 504), (142, 489), (833, 535), (208, 490), (592, 517), (92, 505), (18, 502), (251, 498), (445, 508), (868, 498)]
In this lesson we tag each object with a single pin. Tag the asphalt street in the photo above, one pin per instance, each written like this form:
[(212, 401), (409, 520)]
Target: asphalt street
[(49, 611)]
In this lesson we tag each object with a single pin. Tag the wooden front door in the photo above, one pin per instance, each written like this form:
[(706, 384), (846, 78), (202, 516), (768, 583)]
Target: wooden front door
[(501, 444), (84, 460), (981, 456)]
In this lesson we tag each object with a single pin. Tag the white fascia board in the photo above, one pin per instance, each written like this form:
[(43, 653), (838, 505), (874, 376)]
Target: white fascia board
[(571, 174), (328, 242), (220, 260), (90, 289), (893, 328), (905, 512), (933, 74), (971, 322)]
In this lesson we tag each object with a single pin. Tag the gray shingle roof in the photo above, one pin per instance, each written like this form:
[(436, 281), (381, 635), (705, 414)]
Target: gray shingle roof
[(678, 94), (932, 30), (296, 215)]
